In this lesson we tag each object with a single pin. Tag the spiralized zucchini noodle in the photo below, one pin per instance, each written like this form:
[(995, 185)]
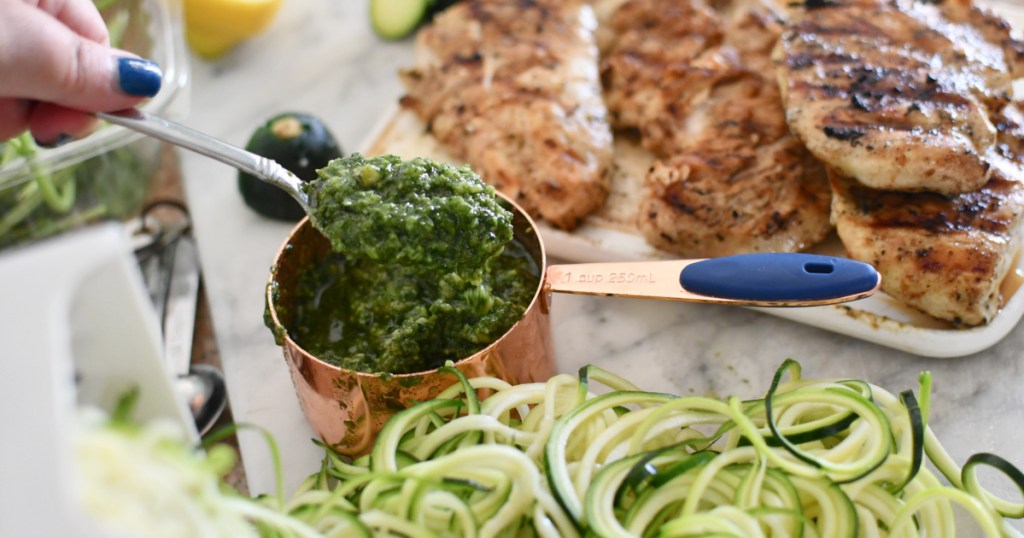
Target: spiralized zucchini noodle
[(593, 454), (145, 479)]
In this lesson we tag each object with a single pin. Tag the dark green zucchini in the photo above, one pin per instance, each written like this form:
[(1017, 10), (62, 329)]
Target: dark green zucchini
[(299, 142)]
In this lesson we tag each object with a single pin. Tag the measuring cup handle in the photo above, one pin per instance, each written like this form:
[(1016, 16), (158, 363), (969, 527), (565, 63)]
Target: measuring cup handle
[(779, 277)]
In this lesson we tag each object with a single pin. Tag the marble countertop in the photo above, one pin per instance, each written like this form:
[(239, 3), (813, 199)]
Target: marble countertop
[(321, 57)]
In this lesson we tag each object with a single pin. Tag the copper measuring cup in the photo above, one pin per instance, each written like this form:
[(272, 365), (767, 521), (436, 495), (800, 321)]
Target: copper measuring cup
[(347, 408)]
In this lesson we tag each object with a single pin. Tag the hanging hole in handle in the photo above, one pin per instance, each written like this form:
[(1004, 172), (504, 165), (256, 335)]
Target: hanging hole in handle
[(819, 268)]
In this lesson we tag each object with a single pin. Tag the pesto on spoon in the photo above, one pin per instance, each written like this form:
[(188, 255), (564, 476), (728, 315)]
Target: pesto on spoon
[(416, 212)]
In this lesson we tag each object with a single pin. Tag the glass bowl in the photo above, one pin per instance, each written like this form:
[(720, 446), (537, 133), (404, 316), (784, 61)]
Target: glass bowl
[(106, 175)]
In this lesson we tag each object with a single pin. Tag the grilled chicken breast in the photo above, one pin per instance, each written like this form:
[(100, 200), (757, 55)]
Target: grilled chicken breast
[(698, 86), (899, 94), (512, 87), (946, 255)]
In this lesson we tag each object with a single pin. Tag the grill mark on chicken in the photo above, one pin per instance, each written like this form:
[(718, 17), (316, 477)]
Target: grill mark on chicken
[(917, 83), (936, 213), (818, 4), (512, 87), (729, 177)]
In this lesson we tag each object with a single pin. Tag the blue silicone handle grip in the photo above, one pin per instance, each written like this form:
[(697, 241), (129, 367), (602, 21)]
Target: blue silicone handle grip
[(778, 277)]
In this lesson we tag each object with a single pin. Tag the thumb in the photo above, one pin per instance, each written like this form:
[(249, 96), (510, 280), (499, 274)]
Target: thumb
[(44, 60)]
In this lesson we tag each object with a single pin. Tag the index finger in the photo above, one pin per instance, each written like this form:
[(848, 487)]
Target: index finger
[(80, 16)]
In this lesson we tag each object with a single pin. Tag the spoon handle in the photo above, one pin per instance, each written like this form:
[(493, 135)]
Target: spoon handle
[(775, 279), (182, 299), (175, 133)]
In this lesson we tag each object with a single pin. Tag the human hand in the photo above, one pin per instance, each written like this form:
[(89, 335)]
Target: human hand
[(56, 66)]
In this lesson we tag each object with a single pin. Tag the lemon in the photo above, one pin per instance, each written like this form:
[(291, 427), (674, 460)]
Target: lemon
[(213, 27)]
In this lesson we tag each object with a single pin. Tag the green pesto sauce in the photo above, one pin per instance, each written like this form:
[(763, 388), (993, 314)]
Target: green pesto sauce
[(417, 212), (424, 270)]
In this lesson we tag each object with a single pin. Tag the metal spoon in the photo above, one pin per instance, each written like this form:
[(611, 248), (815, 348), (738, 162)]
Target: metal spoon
[(188, 138), (200, 386), (205, 394)]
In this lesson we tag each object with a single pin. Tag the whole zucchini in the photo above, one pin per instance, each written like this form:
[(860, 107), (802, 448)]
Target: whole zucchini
[(299, 142)]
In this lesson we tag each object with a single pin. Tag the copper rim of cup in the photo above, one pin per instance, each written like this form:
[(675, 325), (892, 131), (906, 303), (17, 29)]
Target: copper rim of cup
[(347, 408)]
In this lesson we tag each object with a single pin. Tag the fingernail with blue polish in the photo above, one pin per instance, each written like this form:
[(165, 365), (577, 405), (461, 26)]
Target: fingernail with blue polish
[(59, 141), (138, 77)]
